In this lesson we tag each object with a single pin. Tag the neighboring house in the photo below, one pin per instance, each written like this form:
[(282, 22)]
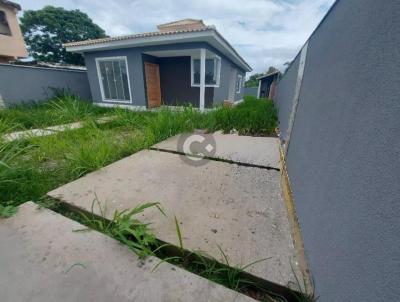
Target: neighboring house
[(183, 62), (12, 45), (267, 85)]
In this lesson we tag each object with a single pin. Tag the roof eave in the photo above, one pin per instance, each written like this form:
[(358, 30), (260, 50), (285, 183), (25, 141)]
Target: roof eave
[(268, 75), (159, 40)]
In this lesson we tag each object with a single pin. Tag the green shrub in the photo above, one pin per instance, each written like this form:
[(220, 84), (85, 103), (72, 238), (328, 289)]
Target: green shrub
[(251, 117)]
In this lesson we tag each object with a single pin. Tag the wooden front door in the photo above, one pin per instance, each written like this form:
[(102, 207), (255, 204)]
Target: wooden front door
[(152, 72)]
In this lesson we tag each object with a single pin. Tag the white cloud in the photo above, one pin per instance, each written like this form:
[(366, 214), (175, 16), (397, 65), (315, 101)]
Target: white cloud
[(264, 32)]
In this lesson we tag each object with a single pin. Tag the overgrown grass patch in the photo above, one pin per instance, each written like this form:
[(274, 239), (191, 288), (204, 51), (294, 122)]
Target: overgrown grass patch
[(59, 110), (253, 116)]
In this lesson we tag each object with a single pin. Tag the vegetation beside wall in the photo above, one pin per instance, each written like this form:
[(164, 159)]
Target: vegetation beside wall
[(256, 117)]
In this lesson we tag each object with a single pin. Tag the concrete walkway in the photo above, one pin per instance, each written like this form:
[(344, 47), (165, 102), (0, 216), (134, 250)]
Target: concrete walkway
[(50, 130), (43, 260), (237, 207)]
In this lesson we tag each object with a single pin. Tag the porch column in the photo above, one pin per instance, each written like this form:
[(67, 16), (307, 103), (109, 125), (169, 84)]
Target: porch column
[(259, 88), (202, 77)]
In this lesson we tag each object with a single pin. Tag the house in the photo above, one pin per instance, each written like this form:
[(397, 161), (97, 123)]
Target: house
[(12, 44), (183, 62), (267, 85)]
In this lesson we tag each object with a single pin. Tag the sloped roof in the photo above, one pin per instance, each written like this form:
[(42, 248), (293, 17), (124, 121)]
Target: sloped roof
[(206, 34), (134, 36), (12, 4)]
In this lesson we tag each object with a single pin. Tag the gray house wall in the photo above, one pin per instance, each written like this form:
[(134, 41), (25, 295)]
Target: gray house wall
[(137, 79), (344, 155), (284, 96), (229, 71), (135, 70), (22, 84)]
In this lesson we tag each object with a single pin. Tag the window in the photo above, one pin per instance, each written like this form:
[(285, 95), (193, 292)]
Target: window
[(239, 83), (213, 68), (4, 28), (113, 78)]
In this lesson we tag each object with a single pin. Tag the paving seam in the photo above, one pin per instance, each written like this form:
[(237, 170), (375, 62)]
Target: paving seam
[(229, 161), (272, 288)]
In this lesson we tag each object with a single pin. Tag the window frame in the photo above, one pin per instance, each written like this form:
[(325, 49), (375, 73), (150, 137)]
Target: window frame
[(214, 57), (9, 34), (102, 59), (239, 76)]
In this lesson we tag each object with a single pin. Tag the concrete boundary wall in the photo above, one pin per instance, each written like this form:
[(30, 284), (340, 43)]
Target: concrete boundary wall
[(343, 160), (23, 84)]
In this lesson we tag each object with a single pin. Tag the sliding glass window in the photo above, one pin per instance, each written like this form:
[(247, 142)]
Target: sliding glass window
[(113, 76)]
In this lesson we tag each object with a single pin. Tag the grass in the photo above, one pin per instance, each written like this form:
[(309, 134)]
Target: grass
[(124, 227), (64, 108), (251, 117)]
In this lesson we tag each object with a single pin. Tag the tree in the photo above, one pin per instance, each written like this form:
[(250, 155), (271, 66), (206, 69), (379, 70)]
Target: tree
[(271, 69), (45, 31), (252, 81)]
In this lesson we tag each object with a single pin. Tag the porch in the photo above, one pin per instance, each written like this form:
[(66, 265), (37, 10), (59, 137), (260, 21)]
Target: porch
[(181, 77)]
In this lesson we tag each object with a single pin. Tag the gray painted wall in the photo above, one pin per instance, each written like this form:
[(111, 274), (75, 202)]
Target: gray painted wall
[(228, 72), (284, 97), (136, 71), (344, 156), (22, 84)]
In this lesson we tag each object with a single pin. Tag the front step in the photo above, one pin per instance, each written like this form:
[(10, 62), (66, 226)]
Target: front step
[(43, 259)]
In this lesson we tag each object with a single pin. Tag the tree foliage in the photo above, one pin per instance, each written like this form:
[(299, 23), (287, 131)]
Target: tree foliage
[(253, 82), (45, 31)]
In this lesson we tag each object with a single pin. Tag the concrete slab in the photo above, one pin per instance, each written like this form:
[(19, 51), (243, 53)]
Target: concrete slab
[(239, 208), (51, 130), (260, 151), (43, 260)]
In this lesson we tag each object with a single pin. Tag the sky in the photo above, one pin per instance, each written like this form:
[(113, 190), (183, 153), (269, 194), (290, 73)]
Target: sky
[(264, 32)]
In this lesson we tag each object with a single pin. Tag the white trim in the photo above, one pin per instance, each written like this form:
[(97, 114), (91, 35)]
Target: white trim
[(202, 78), (259, 89), (192, 58), (295, 100), (239, 76), (167, 39), (130, 107), (99, 59), (238, 102)]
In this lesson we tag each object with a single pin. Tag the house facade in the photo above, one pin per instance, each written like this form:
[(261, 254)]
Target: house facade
[(184, 62), (12, 44)]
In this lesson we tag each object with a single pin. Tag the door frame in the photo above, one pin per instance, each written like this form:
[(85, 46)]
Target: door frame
[(159, 82)]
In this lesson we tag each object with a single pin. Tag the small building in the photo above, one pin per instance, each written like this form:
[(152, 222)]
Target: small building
[(12, 44), (184, 62), (267, 85)]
